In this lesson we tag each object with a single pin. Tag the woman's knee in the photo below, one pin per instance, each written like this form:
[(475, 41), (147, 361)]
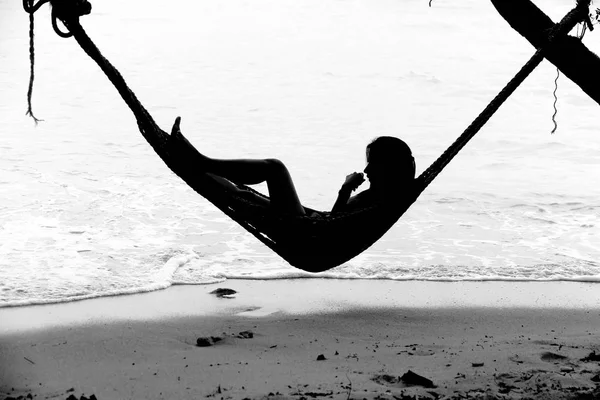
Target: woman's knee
[(276, 166)]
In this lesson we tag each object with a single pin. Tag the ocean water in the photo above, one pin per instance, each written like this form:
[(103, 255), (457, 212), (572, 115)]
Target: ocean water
[(87, 209)]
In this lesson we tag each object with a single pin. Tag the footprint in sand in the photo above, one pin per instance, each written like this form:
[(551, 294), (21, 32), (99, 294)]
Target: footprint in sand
[(516, 359), (418, 352), (542, 384)]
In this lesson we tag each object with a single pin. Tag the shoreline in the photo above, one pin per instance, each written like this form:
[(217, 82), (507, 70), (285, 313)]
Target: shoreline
[(300, 296), (319, 339)]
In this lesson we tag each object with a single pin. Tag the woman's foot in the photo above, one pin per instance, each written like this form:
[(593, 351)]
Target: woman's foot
[(181, 145)]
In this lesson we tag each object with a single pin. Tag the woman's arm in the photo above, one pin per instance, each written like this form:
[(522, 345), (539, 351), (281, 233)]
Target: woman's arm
[(342, 199), (353, 181)]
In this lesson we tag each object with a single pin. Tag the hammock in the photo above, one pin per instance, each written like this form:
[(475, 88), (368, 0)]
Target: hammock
[(313, 244)]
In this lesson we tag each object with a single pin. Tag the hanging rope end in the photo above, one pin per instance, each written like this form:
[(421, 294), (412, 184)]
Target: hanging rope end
[(555, 101), (65, 10), (35, 119)]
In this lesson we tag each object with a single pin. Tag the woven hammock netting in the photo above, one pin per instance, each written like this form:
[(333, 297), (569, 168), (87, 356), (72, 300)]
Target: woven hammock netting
[(312, 244)]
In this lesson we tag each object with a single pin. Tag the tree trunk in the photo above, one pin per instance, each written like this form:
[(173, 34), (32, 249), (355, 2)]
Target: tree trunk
[(567, 53)]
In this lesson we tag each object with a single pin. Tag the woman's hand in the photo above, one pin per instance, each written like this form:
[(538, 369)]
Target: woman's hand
[(353, 181)]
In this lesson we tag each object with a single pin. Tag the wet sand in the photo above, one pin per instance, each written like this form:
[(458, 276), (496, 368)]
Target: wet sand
[(311, 339)]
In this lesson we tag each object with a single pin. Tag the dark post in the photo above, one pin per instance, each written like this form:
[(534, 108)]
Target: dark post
[(567, 53)]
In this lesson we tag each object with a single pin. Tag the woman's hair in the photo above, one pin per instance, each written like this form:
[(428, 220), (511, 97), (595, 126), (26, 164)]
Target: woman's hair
[(393, 153)]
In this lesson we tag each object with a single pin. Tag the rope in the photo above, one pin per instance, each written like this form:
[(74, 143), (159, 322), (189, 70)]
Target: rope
[(555, 101), (579, 13), (160, 141), (145, 121), (143, 117), (82, 7), (31, 8), (60, 33), (428, 175)]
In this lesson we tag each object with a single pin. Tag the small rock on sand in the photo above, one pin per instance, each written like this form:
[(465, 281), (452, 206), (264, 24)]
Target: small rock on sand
[(207, 341), (224, 293), (245, 335), (412, 379), (591, 357)]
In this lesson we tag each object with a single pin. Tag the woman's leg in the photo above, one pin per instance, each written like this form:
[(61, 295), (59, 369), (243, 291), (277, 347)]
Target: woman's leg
[(282, 191), (246, 194)]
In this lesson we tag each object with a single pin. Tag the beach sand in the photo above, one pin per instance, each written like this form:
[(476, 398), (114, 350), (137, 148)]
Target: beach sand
[(311, 339)]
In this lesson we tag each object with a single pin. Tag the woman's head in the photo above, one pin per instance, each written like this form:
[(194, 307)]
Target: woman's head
[(389, 160)]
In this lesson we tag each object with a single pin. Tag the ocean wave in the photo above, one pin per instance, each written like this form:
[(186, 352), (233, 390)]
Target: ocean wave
[(192, 269), (285, 276)]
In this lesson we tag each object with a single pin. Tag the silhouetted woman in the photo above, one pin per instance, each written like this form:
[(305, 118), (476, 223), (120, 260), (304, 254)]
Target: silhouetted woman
[(390, 170)]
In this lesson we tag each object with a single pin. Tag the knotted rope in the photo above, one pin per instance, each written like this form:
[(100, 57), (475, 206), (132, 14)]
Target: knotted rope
[(60, 10), (579, 14)]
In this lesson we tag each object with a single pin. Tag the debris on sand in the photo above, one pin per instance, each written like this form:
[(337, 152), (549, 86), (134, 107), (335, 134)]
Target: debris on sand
[(72, 397), (245, 335), (224, 293), (412, 379), (591, 357), (408, 379), (207, 341)]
